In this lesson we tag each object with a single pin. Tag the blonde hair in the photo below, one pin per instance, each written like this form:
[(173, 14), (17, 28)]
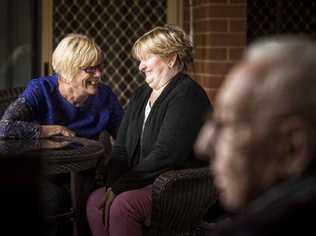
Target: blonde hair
[(165, 41), (74, 52)]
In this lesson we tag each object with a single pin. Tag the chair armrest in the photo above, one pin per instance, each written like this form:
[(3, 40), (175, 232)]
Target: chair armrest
[(180, 200)]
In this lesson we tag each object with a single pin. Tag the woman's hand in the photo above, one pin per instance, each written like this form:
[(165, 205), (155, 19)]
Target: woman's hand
[(49, 144), (105, 204), (51, 130)]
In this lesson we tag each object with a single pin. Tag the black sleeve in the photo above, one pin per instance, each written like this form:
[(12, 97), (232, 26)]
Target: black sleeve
[(116, 114), (183, 120), (118, 163)]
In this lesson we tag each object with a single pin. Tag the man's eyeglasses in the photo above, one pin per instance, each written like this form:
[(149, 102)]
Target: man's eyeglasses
[(92, 69)]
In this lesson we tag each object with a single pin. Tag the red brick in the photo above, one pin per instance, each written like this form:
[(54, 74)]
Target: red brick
[(213, 82), (210, 53), (238, 1), (221, 40), (219, 68), (199, 2), (237, 26), (212, 68), (199, 67), (235, 54), (190, 69), (211, 93), (219, 12), (198, 79), (215, 25)]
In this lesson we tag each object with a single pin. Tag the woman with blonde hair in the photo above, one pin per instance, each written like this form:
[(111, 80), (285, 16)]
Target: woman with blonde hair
[(161, 123), (71, 102)]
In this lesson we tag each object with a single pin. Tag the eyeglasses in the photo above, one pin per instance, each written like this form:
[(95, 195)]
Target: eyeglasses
[(92, 69)]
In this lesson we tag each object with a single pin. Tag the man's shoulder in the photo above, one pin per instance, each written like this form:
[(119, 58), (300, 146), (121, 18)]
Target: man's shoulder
[(286, 209)]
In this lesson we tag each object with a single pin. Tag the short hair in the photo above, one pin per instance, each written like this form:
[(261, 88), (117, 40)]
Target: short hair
[(289, 79), (74, 52), (165, 41)]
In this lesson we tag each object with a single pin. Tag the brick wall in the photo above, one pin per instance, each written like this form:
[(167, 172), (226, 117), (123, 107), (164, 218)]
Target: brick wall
[(219, 36)]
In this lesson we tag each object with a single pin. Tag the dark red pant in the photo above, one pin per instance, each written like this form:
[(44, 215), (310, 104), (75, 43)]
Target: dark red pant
[(128, 212)]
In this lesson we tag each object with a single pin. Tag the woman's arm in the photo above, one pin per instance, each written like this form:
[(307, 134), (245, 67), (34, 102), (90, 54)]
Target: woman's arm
[(15, 122), (118, 164)]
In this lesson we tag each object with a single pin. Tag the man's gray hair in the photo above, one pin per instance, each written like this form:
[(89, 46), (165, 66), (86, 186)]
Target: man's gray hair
[(289, 78)]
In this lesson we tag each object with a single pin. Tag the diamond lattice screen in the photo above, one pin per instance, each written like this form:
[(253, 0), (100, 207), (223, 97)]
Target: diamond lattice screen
[(281, 16), (114, 25)]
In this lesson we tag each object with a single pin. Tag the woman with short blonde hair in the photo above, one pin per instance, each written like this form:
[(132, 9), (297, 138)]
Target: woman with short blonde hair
[(74, 52), (71, 102), (53, 102), (165, 41), (157, 133)]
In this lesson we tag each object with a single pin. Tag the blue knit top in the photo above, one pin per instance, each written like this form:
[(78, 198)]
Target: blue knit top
[(42, 104)]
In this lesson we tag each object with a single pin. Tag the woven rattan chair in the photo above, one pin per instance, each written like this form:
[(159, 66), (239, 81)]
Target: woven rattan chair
[(181, 198)]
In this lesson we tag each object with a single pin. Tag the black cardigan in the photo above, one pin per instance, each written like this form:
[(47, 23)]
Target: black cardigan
[(168, 137)]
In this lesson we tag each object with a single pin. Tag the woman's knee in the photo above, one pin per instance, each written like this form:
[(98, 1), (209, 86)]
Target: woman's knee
[(95, 198), (133, 203), (120, 205)]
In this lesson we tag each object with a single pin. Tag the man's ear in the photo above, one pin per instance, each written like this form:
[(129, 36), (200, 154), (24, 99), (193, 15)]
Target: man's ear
[(298, 150)]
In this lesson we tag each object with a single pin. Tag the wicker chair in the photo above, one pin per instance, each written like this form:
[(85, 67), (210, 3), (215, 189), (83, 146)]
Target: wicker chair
[(181, 198)]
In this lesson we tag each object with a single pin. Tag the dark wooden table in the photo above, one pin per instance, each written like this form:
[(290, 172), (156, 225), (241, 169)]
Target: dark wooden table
[(60, 155)]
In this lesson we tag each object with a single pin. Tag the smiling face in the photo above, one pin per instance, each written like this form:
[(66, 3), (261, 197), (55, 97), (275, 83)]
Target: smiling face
[(156, 70), (86, 83)]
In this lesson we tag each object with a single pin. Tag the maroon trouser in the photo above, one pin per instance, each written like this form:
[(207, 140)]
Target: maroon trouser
[(128, 212)]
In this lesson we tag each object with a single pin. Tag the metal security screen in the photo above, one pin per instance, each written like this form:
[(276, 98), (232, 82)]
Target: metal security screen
[(114, 25), (282, 16)]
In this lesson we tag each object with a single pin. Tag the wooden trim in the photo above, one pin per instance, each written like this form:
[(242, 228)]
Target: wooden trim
[(175, 12), (47, 36)]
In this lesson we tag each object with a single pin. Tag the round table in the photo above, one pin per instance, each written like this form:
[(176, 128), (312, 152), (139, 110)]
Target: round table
[(59, 155)]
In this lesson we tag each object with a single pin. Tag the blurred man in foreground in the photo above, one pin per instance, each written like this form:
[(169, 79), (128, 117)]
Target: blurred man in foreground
[(263, 132)]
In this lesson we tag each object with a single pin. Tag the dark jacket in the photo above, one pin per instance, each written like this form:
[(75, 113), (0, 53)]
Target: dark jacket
[(169, 134), (286, 209)]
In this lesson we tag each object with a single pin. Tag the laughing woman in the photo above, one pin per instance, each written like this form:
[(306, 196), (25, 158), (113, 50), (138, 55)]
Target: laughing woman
[(157, 133), (71, 102)]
